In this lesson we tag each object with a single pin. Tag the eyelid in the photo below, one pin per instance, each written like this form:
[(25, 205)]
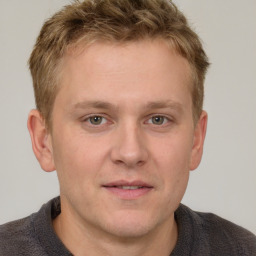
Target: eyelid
[(166, 117), (85, 119)]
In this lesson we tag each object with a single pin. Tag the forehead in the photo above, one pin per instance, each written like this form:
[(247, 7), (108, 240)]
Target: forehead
[(141, 69), (155, 49)]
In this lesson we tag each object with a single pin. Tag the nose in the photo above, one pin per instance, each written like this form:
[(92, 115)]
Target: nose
[(129, 147)]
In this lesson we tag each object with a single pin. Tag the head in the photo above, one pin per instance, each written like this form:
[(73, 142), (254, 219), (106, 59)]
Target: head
[(84, 23), (119, 91)]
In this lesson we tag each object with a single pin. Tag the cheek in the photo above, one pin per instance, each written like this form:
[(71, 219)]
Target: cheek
[(77, 158), (173, 151), (175, 174), (175, 171), (172, 158)]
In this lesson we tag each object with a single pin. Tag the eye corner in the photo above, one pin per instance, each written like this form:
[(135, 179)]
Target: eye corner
[(96, 120), (158, 119)]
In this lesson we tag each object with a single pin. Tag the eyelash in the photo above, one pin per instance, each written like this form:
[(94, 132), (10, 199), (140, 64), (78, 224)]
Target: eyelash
[(166, 120), (88, 118)]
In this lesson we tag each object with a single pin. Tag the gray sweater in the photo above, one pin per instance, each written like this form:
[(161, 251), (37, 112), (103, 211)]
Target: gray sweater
[(200, 234)]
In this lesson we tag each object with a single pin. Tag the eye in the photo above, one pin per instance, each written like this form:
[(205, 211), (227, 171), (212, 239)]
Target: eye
[(158, 120), (96, 120)]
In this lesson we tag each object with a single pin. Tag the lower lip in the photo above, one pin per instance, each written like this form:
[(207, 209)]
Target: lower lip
[(128, 194)]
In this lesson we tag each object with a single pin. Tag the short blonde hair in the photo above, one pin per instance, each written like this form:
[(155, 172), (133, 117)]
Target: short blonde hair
[(112, 21)]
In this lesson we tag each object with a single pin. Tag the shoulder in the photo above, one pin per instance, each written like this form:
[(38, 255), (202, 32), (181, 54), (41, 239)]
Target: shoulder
[(225, 233), (16, 236), (14, 229), (217, 234), (33, 235), (25, 235)]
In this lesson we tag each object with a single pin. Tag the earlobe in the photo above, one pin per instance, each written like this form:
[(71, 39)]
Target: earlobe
[(198, 142), (41, 140)]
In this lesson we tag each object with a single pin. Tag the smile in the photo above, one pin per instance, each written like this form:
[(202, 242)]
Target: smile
[(130, 187), (128, 190)]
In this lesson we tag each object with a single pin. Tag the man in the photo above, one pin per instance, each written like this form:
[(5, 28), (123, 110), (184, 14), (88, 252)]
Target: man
[(119, 95)]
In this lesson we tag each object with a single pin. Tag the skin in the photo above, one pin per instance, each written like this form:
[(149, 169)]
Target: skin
[(123, 112)]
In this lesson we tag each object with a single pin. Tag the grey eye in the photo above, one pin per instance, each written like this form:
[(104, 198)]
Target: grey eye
[(96, 120), (158, 120)]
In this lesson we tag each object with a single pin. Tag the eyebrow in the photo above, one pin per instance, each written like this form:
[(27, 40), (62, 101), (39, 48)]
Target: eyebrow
[(164, 104), (94, 104), (149, 105)]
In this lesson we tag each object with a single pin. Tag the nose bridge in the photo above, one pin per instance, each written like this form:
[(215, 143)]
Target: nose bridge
[(129, 147)]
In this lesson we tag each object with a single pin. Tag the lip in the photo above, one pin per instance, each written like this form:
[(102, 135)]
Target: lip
[(128, 194)]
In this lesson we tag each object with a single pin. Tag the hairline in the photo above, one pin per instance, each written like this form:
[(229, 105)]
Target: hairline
[(79, 46)]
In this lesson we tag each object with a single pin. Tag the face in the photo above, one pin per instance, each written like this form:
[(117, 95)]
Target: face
[(123, 138)]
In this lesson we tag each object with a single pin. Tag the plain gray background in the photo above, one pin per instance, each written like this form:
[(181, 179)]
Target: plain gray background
[(225, 182)]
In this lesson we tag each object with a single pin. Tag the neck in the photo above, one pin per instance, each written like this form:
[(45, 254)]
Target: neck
[(81, 240)]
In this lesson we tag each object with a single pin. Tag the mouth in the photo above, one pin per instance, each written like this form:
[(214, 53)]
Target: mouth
[(128, 190), (129, 187)]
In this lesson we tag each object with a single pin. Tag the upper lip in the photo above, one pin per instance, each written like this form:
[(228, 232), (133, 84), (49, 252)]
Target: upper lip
[(119, 183)]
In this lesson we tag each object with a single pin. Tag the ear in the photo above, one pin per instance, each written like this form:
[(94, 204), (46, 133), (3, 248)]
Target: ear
[(198, 142), (41, 140)]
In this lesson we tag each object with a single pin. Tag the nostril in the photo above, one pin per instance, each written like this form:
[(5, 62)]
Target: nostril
[(129, 147), (140, 163)]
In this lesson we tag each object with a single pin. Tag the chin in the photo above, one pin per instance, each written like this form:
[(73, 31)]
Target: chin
[(130, 226), (129, 231)]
